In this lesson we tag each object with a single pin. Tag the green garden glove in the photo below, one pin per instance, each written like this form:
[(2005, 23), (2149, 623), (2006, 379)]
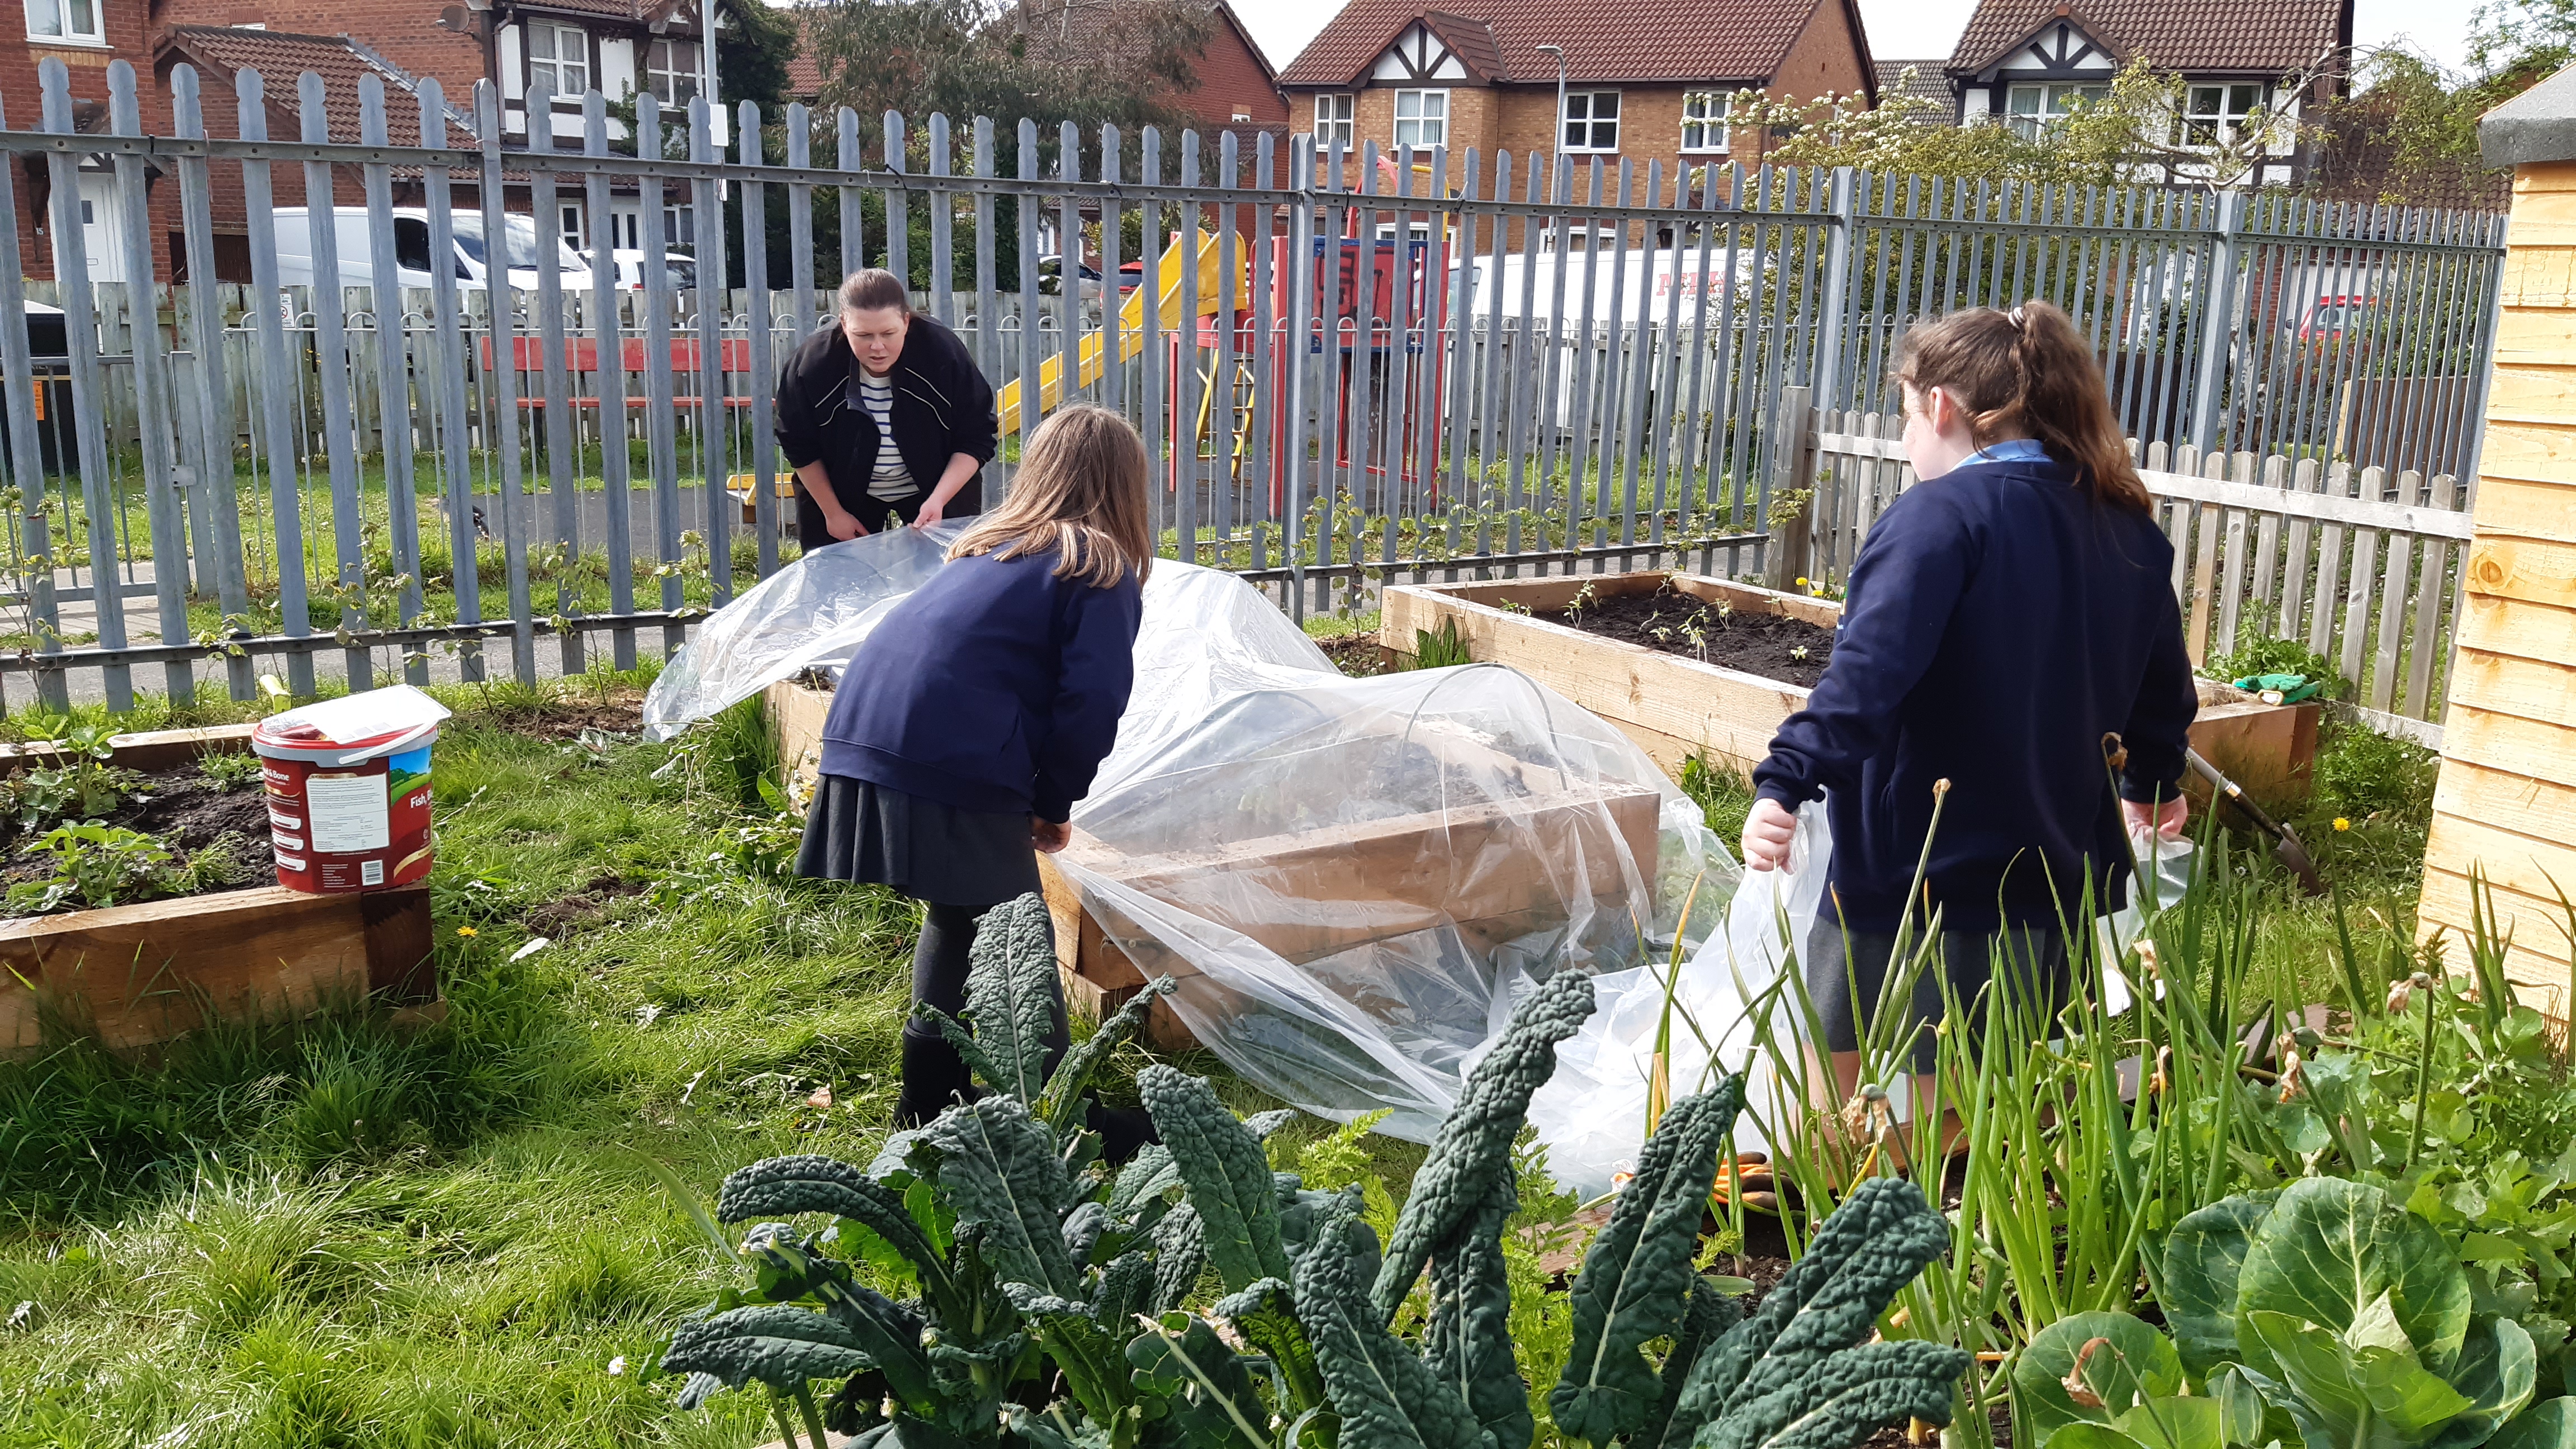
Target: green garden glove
[(2292, 688)]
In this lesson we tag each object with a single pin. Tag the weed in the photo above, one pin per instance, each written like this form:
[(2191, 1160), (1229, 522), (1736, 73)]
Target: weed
[(228, 771), (1440, 648)]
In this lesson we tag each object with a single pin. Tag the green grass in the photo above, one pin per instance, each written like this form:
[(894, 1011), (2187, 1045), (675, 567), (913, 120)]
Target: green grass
[(359, 1234)]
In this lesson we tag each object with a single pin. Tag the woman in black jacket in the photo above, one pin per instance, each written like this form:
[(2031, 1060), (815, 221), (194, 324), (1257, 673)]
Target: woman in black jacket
[(883, 371)]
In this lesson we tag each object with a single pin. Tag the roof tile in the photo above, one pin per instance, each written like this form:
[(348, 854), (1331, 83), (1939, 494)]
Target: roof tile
[(2276, 37), (282, 59), (1667, 40)]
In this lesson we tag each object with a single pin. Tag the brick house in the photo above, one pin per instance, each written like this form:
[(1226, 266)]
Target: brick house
[(87, 36), (2023, 62), (1645, 81)]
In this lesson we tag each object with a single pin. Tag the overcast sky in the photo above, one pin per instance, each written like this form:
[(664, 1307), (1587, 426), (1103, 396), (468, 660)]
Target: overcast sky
[(1917, 29)]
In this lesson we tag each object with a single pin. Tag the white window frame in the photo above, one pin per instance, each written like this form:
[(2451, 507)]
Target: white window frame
[(672, 80), (2224, 118), (1430, 119), (1590, 123), (574, 226), (63, 14), (555, 33), (679, 226), (2052, 101), (1336, 119), (1706, 112)]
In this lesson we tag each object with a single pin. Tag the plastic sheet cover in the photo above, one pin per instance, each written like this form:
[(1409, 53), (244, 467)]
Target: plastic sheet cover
[(812, 614), (1592, 1114), (1350, 879)]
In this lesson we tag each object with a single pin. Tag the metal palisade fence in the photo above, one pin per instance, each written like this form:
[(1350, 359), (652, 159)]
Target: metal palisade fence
[(425, 427)]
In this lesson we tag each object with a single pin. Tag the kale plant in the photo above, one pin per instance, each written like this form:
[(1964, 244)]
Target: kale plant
[(1053, 1303)]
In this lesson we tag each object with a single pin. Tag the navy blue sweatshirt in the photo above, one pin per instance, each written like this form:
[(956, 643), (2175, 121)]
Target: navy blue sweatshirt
[(995, 686), (1998, 624)]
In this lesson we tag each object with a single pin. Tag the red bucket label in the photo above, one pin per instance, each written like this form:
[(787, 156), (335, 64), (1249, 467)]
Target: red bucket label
[(357, 827)]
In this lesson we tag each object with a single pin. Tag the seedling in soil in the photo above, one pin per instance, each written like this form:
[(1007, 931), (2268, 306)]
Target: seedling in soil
[(1582, 601), (95, 864), (228, 772)]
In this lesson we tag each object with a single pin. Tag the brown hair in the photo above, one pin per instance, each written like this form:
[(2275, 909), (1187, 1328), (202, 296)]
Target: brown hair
[(2027, 370), (1081, 492), (871, 288)]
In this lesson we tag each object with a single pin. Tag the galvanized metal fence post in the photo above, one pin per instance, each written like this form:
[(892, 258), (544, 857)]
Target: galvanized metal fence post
[(2218, 322)]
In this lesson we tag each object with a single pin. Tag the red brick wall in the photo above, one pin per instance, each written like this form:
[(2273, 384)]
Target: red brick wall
[(1231, 80), (126, 31)]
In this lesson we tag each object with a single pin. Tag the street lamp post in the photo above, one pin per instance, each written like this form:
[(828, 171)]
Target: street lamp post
[(1558, 147)]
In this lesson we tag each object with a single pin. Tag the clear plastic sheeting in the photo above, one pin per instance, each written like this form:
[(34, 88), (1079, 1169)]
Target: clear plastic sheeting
[(1350, 879), (812, 614), (1591, 1115)]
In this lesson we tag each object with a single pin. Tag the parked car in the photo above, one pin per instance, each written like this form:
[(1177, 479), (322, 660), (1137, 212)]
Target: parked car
[(681, 268), (354, 242), (1051, 278)]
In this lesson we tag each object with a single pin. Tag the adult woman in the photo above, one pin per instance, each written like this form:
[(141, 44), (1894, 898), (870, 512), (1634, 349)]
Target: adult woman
[(882, 374), (2006, 614), (975, 715)]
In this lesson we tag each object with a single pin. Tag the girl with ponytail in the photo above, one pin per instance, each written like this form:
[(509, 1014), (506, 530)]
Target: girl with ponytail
[(2006, 613)]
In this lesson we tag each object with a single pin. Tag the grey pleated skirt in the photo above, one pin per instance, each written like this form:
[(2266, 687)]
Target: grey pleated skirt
[(860, 831)]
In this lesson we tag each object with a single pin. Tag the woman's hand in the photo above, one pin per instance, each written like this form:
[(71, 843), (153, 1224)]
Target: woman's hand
[(2166, 818), (1049, 835), (1768, 828), (929, 514), (844, 525)]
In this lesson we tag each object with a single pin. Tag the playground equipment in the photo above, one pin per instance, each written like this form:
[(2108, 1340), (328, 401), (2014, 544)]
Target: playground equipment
[(1367, 376)]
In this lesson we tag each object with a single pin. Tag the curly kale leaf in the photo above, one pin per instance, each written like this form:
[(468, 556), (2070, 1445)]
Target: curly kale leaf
[(769, 1343), (1636, 1278), (1061, 1103), (1475, 1143), (1192, 1391), (1180, 1253), (1387, 1397), (998, 1169), (889, 1333), (1795, 1372), (1469, 1345), (1229, 1178), (785, 1186), (1266, 1315), (1709, 1314), (1011, 994)]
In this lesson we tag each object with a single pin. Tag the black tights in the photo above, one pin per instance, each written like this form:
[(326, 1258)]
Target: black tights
[(932, 1074)]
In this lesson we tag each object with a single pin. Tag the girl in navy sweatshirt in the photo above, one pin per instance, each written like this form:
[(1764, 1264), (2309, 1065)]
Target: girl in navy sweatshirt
[(2005, 615), (975, 715)]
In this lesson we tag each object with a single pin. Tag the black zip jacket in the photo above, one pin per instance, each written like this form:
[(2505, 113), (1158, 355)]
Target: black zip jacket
[(942, 407)]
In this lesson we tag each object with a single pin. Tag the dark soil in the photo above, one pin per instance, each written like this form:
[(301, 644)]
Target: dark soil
[(188, 815), (566, 718), (1763, 644), (1357, 655), (566, 914)]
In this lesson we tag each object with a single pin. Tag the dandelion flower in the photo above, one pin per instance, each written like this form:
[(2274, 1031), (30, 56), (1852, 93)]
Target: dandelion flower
[(468, 932), (1802, 583), (2342, 824)]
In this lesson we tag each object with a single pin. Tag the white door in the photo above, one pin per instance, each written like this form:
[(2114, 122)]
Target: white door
[(102, 235)]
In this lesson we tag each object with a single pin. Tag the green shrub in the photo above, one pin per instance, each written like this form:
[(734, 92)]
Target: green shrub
[(2361, 772)]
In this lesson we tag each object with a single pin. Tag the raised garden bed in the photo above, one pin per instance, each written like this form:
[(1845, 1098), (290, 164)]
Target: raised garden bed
[(141, 973), (1657, 687), (1387, 877)]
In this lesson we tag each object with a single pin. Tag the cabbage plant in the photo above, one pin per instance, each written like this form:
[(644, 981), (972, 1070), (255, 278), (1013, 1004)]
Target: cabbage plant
[(2321, 1315)]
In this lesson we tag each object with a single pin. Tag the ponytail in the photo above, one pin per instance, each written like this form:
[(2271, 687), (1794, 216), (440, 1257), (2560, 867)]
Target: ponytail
[(2027, 370)]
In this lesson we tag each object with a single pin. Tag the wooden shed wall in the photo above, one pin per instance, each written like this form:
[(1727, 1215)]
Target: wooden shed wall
[(2507, 799)]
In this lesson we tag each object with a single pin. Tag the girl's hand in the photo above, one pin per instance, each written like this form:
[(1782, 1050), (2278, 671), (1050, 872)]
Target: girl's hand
[(1767, 832), (1049, 835), (928, 515), (2166, 818), (843, 526)]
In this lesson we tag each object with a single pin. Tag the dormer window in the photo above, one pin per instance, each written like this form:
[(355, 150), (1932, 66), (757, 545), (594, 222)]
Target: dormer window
[(2217, 115), (73, 22), (558, 57), (671, 71)]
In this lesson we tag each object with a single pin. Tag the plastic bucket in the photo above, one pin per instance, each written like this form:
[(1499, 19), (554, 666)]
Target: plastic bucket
[(348, 815)]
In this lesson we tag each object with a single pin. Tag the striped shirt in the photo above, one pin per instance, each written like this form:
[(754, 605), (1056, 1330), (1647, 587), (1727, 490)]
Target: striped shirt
[(891, 481)]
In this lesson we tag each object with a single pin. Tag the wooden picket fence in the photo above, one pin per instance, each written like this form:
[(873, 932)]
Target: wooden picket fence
[(2361, 565)]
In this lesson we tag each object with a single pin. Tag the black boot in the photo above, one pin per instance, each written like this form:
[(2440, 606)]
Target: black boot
[(1123, 1131), (933, 1078)]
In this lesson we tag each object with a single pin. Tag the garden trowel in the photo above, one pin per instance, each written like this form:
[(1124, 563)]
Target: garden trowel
[(2285, 841)]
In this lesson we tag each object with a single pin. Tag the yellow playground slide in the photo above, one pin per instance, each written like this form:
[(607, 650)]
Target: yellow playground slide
[(1131, 325)]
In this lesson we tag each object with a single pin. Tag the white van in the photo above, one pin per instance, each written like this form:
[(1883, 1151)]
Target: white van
[(355, 243)]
